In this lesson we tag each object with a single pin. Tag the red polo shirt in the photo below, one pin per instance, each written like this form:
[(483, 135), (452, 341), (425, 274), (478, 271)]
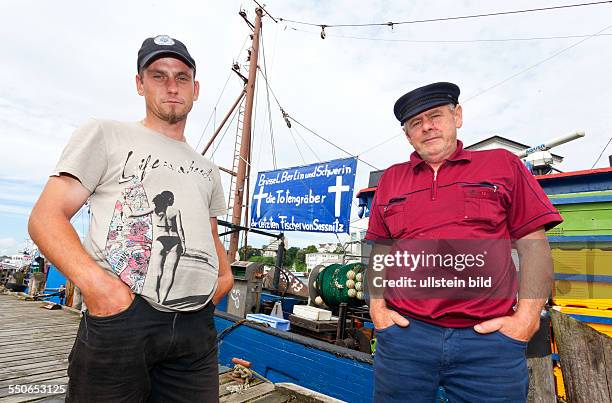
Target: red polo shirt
[(475, 195)]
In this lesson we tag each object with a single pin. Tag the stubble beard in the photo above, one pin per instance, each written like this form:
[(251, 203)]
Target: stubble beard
[(172, 117)]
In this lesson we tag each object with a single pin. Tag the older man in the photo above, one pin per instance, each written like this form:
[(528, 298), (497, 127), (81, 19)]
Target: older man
[(463, 327), (152, 266)]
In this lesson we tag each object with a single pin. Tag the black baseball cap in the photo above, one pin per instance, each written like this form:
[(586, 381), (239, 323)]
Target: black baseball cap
[(163, 46), (425, 98)]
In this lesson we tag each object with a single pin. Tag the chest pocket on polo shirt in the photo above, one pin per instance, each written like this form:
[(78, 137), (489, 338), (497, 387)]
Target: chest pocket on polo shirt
[(482, 203), (394, 215)]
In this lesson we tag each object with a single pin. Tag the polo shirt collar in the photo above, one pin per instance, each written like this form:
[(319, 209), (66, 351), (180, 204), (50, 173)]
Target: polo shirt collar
[(459, 155)]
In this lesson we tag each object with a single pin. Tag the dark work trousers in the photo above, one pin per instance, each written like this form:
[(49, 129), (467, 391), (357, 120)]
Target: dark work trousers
[(145, 355), (411, 363)]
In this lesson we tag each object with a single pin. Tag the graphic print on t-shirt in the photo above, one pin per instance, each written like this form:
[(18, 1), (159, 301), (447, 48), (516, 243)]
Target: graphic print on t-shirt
[(152, 243), (169, 242), (130, 235)]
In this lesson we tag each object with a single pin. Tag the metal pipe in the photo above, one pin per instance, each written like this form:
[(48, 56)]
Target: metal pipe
[(342, 310), (280, 256), (550, 144)]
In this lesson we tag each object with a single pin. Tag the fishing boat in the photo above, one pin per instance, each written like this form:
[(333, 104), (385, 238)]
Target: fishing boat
[(316, 332)]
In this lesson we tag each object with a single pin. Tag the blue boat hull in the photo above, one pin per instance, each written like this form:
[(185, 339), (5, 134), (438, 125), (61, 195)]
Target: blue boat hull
[(286, 357)]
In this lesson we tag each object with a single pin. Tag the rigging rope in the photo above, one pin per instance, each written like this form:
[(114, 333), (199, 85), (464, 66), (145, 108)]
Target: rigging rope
[(263, 53), (307, 145), (331, 143), (448, 41), (462, 17), (236, 111), (602, 151), (512, 76), (297, 146), (214, 111)]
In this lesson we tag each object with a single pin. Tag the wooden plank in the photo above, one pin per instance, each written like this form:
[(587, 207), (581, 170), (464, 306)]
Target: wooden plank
[(36, 366), (33, 371), (584, 355), (249, 394), (33, 345), (16, 364), (541, 380), (225, 378), (41, 328), (223, 389), (9, 358), (276, 396), (43, 339), (301, 394)]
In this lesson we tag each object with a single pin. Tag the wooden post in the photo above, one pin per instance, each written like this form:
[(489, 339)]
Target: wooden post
[(212, 139), (245, 144), (586, 360), (541, 380), (539, 364)]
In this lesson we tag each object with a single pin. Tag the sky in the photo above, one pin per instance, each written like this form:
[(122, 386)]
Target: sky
[(67, 61)]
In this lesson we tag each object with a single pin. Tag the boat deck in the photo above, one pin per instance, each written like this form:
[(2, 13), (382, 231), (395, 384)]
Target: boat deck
[(34, 348)]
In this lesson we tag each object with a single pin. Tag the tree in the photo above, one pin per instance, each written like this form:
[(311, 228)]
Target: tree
[(299, 266), (300, 257), (290, 255), (339, 248), (247, 252), (266, 260), (311, 249)]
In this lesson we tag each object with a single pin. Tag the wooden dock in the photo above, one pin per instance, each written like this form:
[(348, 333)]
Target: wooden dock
[(34, 348)]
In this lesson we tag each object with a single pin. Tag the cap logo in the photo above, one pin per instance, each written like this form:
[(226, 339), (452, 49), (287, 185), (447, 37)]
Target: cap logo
[(163, 40)]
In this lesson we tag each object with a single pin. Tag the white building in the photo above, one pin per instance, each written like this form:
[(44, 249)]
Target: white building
[(19, 260), (329, 247), (356, 245), (271, 249), (496, 141), (325, 258)]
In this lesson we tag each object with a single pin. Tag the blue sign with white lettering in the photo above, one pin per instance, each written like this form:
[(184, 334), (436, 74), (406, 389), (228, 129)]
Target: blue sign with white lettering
[(311, 198)]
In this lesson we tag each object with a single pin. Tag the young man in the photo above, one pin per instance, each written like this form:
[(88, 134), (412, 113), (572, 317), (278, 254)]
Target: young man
[(152, 266), (449, 317)]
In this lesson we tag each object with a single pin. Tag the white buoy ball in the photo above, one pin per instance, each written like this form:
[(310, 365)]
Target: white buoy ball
[(359, 277), (360, 295), (352, 293), (358, 286), (319, 300), (350, 283), (350, 275)]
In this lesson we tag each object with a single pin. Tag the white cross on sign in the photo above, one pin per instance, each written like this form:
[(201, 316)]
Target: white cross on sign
[(258, 197), (338, 188)]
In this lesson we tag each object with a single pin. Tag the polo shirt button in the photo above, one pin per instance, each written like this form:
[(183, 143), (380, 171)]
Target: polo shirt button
[(465, 217)]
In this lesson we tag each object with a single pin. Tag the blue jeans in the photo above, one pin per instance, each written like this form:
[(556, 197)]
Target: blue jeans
[(411, 363)]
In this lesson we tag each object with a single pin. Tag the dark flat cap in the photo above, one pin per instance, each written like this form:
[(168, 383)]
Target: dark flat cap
[(163, 46), (424, 98)]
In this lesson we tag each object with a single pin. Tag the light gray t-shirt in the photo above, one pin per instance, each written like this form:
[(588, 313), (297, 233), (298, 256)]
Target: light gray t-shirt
[(151, 203)]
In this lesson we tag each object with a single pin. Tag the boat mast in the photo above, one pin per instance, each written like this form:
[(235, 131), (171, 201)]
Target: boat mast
[(245, 144)]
